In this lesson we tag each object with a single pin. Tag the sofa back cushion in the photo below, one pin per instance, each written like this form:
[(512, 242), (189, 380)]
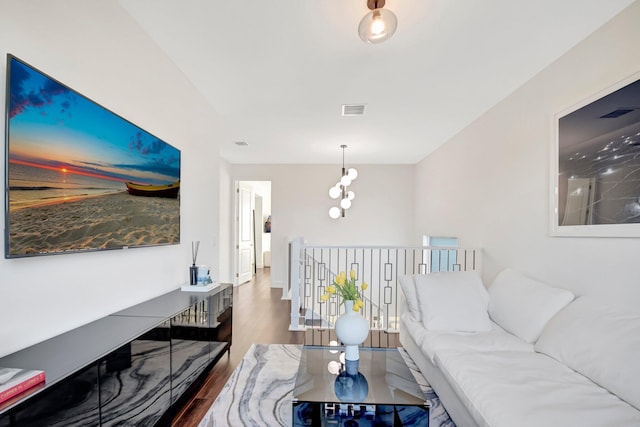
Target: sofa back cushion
[(600, 342), (455, 301), (523, 306), (410, 296)]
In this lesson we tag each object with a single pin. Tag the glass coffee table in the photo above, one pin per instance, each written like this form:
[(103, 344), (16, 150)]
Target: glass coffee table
[(378, 390)]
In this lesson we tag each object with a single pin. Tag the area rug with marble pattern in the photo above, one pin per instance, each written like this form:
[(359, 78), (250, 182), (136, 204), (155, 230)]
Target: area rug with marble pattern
[(259, 391)]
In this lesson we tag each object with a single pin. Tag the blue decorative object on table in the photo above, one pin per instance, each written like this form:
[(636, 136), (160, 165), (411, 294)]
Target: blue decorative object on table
[(351, 385)]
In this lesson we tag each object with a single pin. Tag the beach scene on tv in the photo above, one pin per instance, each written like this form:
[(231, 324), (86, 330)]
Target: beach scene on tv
[(80, 177)]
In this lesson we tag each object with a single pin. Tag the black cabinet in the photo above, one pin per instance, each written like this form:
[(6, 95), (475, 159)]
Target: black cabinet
[(73, 403), (133, 368), (135, 386), (199, 337)]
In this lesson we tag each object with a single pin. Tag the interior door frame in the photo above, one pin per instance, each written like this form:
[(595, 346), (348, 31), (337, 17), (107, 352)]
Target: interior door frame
[(236, 237)]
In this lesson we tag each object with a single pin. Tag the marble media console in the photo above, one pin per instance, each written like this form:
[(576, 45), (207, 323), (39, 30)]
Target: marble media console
[(135, 367)]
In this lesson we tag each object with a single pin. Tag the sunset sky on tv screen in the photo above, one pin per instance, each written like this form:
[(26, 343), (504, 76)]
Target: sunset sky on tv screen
[(54, 128)]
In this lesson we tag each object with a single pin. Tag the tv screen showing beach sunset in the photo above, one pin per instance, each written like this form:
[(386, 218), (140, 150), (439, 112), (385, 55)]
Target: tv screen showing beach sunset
[(79, 177)]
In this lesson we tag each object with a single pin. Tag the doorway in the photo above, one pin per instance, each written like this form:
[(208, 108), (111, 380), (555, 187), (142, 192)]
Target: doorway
[(253, 229)]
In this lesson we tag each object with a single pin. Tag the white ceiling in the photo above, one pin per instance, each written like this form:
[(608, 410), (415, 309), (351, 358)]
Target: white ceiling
[(277, 72)]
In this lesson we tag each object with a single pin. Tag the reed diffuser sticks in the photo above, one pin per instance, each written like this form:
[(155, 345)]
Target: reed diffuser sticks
[(194, 250)]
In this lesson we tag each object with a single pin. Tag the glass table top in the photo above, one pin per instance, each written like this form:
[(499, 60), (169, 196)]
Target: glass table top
[(380, 377)]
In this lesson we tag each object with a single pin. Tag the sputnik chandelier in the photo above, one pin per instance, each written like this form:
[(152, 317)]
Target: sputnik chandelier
[(339, 191)]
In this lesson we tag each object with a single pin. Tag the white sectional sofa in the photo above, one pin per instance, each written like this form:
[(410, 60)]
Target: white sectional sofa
[(522, 353)]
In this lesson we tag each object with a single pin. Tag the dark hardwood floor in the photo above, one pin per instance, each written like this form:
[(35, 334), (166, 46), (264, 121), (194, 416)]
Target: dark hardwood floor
[(259, 316)]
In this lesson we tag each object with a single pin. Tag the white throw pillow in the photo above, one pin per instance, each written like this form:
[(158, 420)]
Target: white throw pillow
[(523, 306), (410, 297), (453, 301), (600, 342)]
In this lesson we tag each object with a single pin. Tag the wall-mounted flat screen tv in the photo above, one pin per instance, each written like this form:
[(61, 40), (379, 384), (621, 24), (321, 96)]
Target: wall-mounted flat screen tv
[(79, 177)]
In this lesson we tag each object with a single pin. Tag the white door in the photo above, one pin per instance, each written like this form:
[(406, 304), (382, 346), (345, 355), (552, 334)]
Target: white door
[(245, 233), (258, 226)]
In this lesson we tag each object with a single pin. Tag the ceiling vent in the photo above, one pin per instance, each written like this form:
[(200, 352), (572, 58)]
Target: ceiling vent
[(352, 109), (617, 113)]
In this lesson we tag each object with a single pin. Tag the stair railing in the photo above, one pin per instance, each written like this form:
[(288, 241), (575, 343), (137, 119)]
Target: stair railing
[(313, 268)]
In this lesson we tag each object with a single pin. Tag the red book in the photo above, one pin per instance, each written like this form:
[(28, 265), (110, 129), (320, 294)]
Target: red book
[(14, 381)]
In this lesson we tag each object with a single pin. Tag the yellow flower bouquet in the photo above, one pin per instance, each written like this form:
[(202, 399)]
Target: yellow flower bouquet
[(347, 289)]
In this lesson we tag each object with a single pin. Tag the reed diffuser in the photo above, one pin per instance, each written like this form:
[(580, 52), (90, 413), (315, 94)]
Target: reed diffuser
[(193, 270)]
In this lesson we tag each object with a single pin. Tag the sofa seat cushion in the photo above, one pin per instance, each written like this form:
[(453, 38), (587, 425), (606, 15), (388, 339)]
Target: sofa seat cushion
[(529, 389), (599, 341), (497, 339)]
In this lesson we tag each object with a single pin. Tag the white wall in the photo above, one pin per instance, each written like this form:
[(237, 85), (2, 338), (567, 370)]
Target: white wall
[(489, 185), (96, 49), (382, 212), (226, 226)]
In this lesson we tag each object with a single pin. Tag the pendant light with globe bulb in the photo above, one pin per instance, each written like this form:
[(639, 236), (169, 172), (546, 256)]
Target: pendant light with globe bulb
[(377, 25)]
